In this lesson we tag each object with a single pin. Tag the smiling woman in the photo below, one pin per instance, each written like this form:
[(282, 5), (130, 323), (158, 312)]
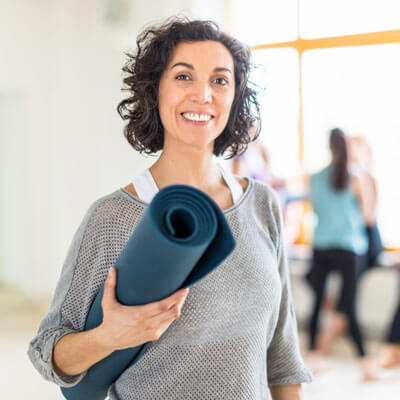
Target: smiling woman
[(236, 332), (162, 57)]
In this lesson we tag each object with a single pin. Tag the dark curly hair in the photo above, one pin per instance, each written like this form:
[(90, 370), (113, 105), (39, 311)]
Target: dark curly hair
[(155, 47)]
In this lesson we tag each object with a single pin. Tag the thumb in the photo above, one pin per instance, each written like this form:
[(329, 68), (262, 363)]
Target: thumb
[(109, 288)]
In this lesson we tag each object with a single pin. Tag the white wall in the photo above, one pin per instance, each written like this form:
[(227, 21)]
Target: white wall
[(13, 173), (24, 52), (64, 60)]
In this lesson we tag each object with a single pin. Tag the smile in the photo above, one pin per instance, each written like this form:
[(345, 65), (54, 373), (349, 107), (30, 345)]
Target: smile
[(197, 117)]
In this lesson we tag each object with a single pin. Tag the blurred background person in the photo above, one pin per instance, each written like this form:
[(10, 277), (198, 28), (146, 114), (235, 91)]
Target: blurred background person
[(256, 163), (343, 203), (360, 164)]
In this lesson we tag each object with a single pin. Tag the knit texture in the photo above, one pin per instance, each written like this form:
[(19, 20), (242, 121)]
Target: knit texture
[(237, 332)]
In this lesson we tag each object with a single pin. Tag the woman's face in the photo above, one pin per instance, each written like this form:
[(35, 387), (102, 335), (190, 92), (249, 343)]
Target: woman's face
[(196, 92)]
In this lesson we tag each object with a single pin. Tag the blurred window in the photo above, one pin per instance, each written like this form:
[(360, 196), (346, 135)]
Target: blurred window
[(278, 75), (343, 83), (345, 17), (357, 88), (278, 20)]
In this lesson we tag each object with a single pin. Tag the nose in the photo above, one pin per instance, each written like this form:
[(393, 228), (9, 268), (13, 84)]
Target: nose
[(201, 93)]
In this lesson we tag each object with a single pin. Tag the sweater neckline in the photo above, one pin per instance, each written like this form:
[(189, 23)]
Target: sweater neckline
[(242, 199)]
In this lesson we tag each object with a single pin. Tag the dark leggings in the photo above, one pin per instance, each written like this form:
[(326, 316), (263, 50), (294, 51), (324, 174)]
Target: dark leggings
[(346, 263), (394, 331)]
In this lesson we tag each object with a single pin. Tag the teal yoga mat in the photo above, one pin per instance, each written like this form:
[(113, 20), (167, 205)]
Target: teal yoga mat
[(182, 236)]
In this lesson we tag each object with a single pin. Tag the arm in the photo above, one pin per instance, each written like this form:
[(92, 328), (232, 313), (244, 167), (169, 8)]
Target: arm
[(374, 196), (364, 188), (61, 321), (286, 392), (286, 369), (122, 327), (77, 352), (62, 351)]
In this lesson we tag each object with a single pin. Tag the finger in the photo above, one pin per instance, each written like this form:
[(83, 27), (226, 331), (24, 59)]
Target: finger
[(166, 317), (109, 297), (158, 307)]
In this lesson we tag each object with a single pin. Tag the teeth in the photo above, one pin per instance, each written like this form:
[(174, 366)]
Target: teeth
[(197, 117)]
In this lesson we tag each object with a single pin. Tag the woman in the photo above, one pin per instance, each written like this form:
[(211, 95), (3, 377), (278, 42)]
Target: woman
[(343, 203), (236, 331), (359, 163)]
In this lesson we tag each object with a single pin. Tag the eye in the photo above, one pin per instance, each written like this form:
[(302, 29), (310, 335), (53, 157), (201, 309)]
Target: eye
[(221, 81), (182, 77)]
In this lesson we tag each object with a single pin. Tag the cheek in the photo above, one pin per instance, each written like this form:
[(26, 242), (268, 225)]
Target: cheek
[(168, 100), (226, 105)]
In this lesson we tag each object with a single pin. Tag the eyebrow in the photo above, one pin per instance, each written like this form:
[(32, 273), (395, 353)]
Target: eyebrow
[(190, 66)]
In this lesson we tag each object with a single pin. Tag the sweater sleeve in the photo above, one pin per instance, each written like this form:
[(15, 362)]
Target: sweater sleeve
[(59, 320), (284, 362)]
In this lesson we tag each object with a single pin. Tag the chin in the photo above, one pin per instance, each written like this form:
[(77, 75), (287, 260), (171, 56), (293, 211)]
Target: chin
[(199, 142)]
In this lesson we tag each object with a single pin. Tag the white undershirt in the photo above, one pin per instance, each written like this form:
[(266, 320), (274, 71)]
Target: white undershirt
[(146, 187)]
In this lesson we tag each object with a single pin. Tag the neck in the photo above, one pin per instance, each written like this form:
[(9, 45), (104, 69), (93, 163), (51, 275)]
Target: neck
[(186, 165)]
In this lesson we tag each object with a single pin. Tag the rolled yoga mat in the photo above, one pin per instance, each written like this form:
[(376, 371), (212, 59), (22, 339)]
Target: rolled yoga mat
[(182, 236)]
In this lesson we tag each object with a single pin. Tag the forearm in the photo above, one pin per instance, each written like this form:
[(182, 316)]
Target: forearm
[(76, 352), (286, 392), (368, 200)]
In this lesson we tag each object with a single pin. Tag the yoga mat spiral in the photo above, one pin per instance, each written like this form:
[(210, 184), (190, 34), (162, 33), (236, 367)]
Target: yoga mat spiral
[(182, 236)]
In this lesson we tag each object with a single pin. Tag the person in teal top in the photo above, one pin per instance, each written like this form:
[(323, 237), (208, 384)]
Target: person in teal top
[(343, 203), (340, 223)]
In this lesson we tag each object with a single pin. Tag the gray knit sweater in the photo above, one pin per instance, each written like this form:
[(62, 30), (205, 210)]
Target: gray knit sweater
[(237, 331)]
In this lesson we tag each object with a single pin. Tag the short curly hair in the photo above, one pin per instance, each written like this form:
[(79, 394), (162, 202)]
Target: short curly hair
[(155, 47)]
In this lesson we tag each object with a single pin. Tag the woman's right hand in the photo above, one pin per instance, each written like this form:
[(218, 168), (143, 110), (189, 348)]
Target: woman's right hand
[(130, 326)]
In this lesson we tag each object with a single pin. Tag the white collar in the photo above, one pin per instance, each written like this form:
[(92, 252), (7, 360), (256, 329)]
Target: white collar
[(146, 187)]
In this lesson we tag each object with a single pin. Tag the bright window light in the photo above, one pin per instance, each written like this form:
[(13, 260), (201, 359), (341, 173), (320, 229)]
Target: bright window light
[(278, 73), (357, 89), (343, 17), (255, 21)]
